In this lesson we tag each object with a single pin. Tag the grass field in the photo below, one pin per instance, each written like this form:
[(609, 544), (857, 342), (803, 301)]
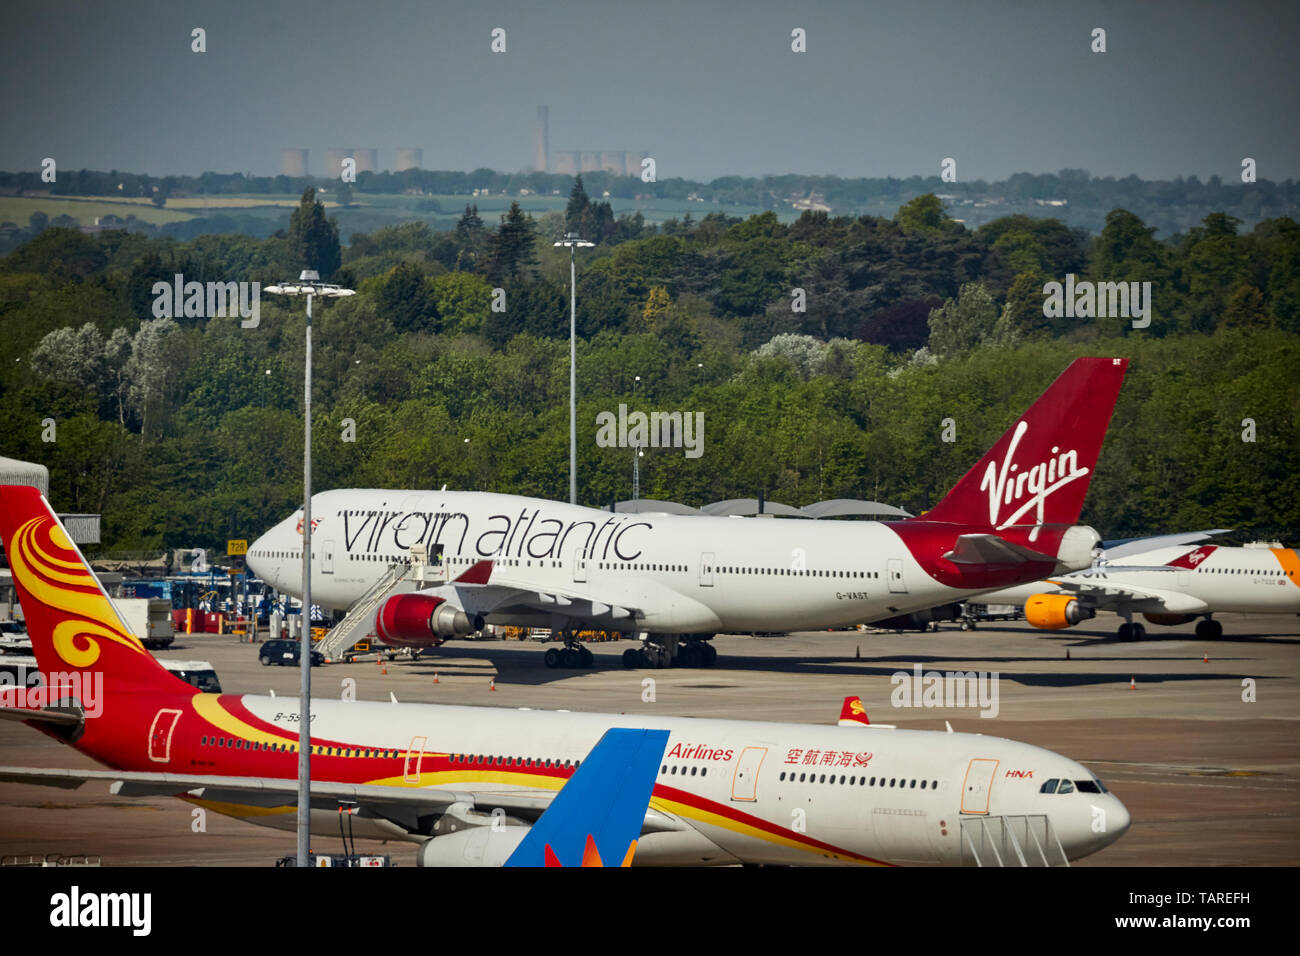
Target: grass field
[(394, 208), (18, 209)]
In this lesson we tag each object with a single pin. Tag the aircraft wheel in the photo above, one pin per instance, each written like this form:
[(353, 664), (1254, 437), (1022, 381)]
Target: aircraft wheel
[(710, 654), (552, 657), (1209, 630), (569, 657), (631, 658), (1125, 632), (688, 655), (585, 657), (1139, 632)]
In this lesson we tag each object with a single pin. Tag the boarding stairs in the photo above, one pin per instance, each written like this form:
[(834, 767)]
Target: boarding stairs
[(1013, 839), (358, 624)]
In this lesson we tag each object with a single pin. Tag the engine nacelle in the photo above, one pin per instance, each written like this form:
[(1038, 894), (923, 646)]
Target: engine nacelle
[(476, 846), (1051, 612), (1169, 620), (422, 620), (1077, 547)]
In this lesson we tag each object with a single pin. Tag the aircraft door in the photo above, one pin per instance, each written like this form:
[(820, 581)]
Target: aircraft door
[(978, 785), (894, 571), (160, 735), (706, 569), (327, 557), (744, 784), (414, 757), (579, 565)]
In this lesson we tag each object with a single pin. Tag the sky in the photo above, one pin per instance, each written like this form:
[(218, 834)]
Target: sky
[(708, 88)]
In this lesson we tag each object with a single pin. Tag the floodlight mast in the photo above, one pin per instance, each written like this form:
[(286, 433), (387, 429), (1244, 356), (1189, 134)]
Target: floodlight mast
[(573, 241), (308, 284)]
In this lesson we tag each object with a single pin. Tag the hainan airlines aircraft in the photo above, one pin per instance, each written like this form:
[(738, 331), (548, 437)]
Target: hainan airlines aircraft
[(681, 579), (1169, 586), (725, 792)]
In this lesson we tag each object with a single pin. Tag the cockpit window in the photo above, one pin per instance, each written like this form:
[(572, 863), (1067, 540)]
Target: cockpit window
[(1050, 786), (1066, 787), (1087, 786)]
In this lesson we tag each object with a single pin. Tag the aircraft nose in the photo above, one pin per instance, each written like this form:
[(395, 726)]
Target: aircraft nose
[(1119, 821), (256, 559)]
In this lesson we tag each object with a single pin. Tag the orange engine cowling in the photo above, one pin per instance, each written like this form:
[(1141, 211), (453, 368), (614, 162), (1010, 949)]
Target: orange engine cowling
[(1051, 612), (1169, 620), (422, 620)]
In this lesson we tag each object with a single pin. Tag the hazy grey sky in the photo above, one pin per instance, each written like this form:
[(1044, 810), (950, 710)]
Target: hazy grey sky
[(709, 88)]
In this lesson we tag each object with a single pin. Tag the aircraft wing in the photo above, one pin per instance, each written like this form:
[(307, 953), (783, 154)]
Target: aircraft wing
[(1105, 595), (488, 588), (1120, 549), (401, 805)]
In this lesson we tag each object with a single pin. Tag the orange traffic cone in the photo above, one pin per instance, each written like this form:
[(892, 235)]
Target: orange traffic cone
[(435, 677), (1206, 658), (492, 684), (1132, 684)]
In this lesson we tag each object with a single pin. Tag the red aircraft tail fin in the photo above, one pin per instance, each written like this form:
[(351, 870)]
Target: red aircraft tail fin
[(853, 714), (1039, 470), (75, 629)]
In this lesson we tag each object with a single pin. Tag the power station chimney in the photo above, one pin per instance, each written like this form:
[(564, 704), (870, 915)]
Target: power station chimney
[(293, 162), (543, 158)]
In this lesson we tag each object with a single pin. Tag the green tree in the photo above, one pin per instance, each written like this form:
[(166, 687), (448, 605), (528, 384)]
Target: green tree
[(575, 212), (923, 214), (471, 237), (313, 239), (1246, 310), (463, 301), (406, 300), (510, 249), (964, 323)]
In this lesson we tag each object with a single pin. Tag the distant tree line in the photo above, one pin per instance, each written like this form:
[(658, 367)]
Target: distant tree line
[(824, 353)]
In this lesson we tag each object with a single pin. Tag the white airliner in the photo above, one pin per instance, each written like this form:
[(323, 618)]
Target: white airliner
[(726, 792), (1168, 586), (681, 579)]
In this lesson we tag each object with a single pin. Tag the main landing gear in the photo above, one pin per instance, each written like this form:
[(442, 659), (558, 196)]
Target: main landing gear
[(1209, 630), (671, 650), (1129, 631), (572, 655)]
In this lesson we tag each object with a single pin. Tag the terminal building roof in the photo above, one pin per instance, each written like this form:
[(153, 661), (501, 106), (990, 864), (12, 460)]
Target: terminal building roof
[(751, 507)]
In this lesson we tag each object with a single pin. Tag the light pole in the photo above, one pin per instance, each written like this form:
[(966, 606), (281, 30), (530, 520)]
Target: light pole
[(308, 284), (636, 454), (572, 240)]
